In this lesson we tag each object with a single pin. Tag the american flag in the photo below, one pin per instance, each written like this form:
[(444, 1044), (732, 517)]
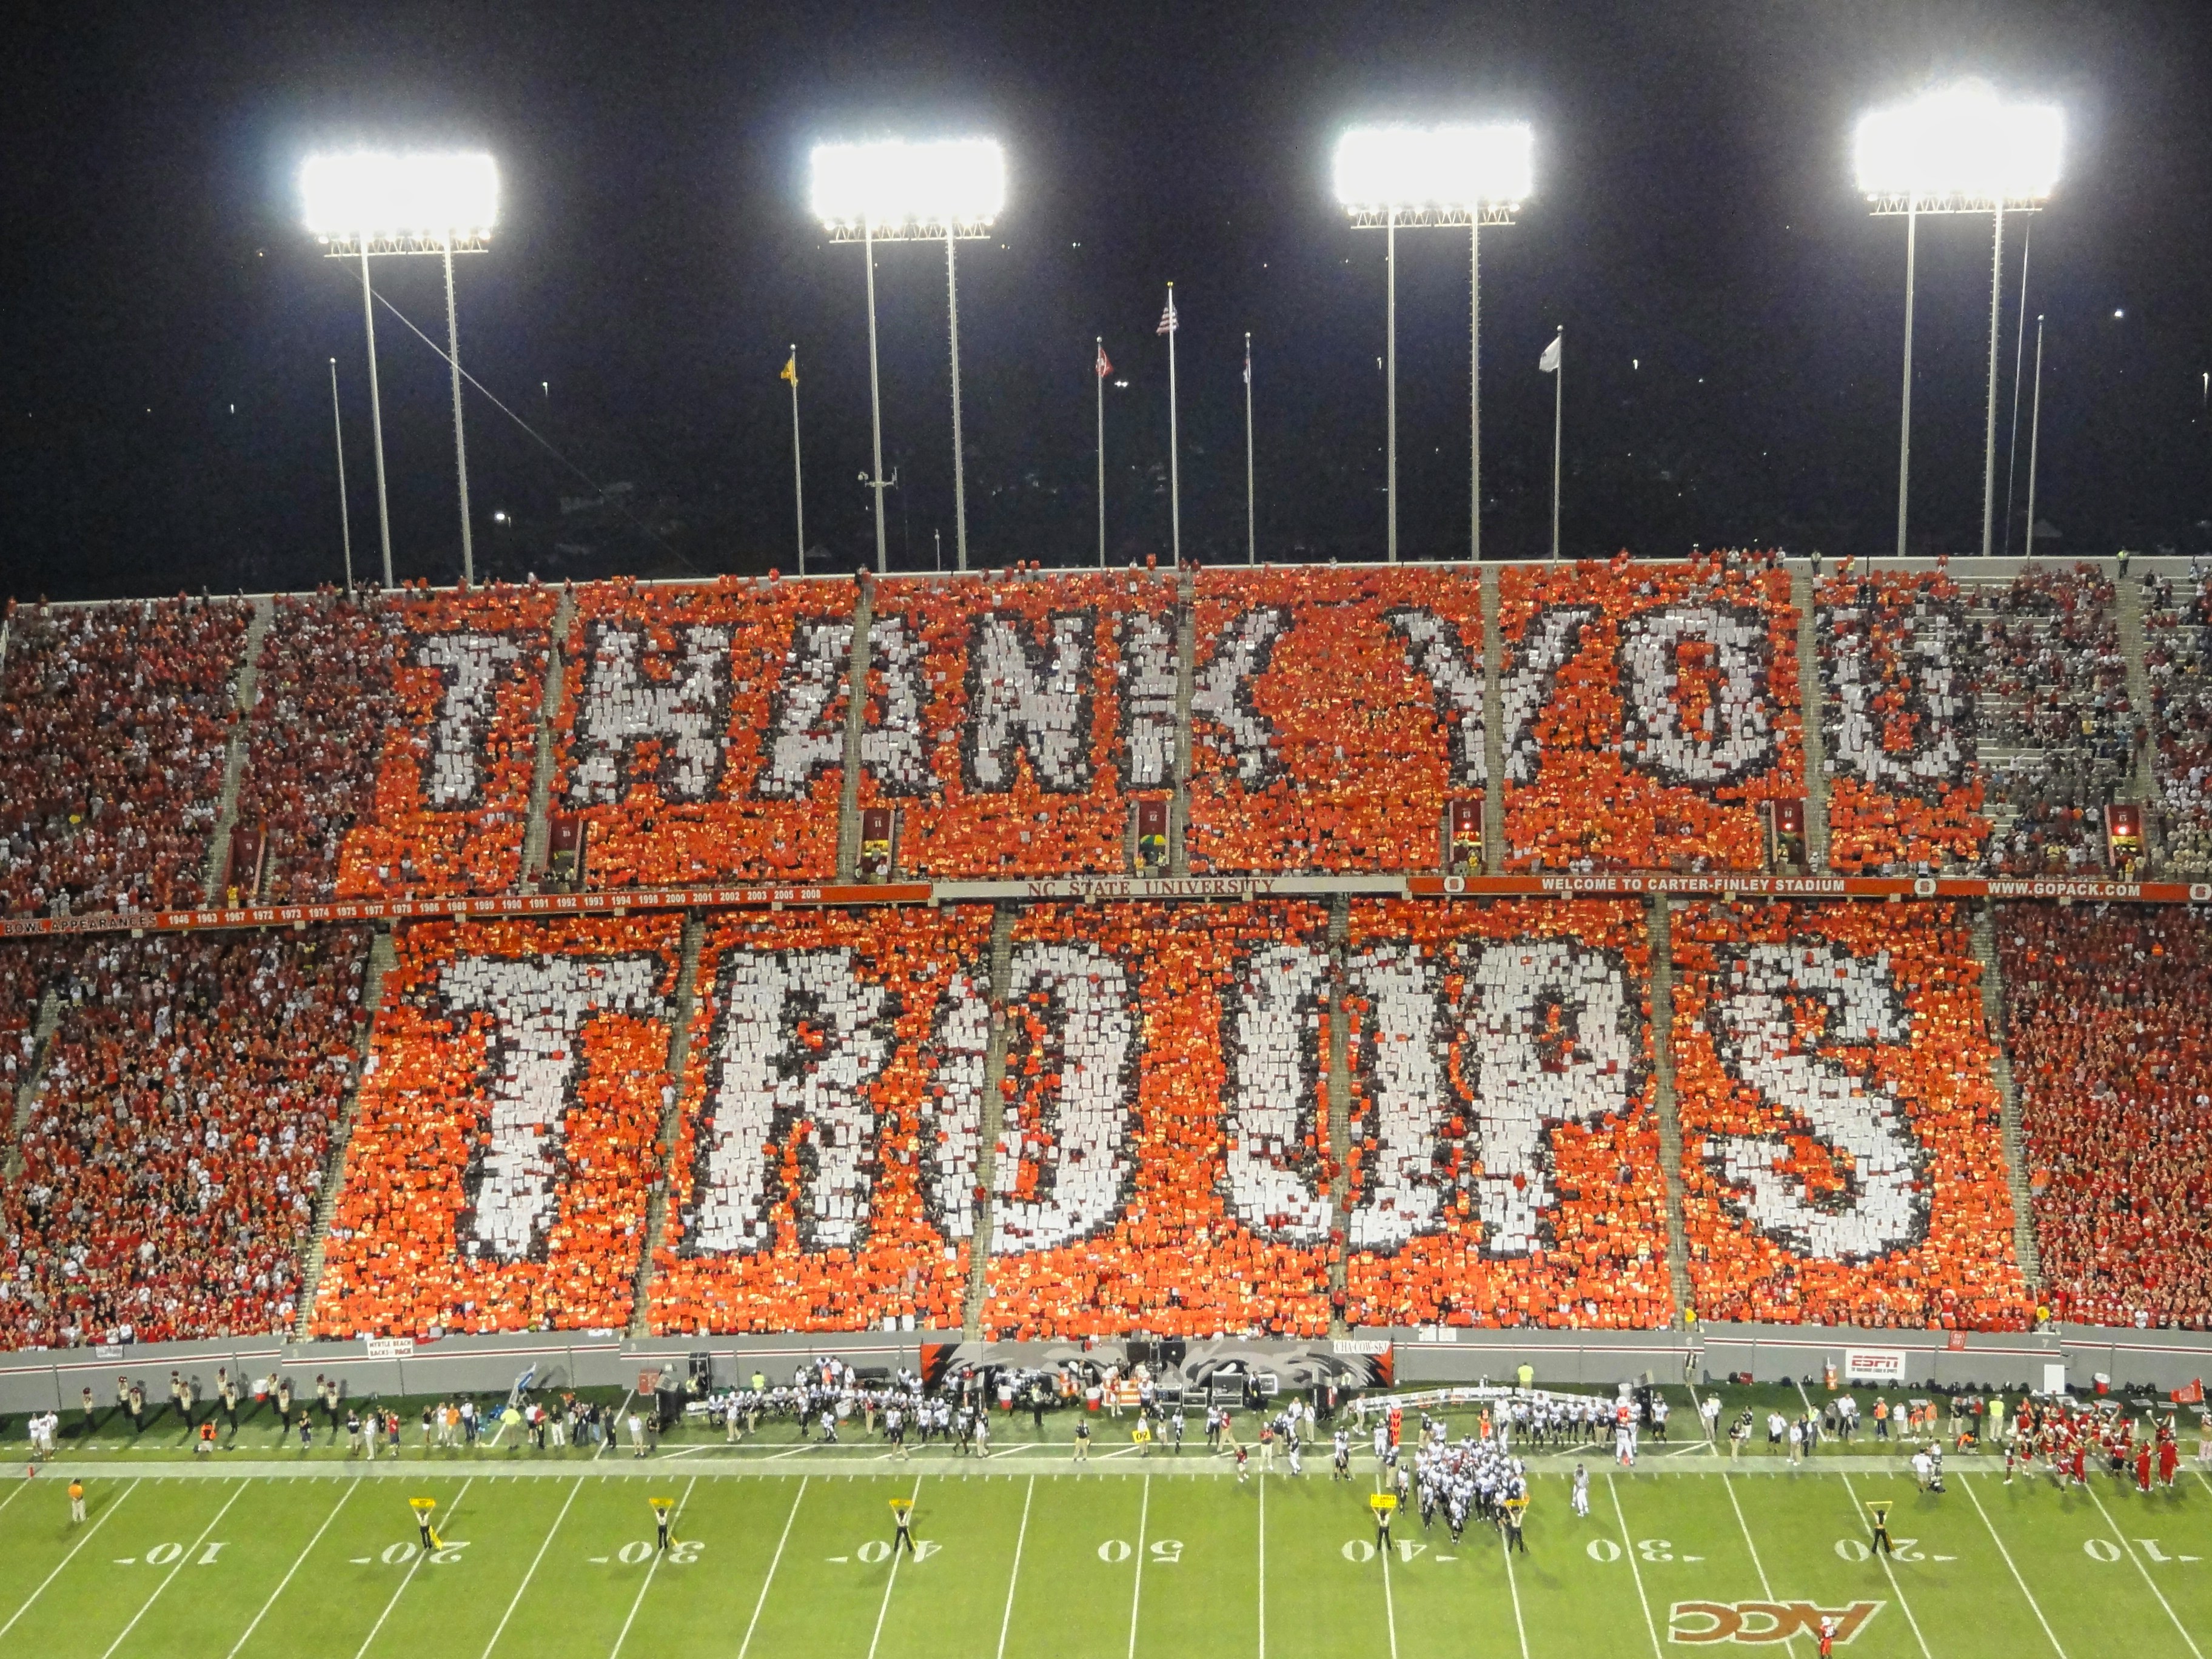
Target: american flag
[(1168, 324)]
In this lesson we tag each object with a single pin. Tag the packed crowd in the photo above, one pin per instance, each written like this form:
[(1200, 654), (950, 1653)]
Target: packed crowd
[(2052, 690), (115, 723), (1012, 717), (2109, 1025), (502, 1150), (169, 1169), (1334, 713), (1648, 711), (702, 730), (1900, 661), (322, 705), (453, 779), (1842, 1160), (1143, 1046), (824, 1157), (1505, 1165), (2177, 660)]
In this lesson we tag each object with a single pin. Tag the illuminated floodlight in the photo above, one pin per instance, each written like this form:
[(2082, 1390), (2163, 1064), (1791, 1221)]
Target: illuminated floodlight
[(378, 197), (892, 183), (1959, 143), (1459, 167)]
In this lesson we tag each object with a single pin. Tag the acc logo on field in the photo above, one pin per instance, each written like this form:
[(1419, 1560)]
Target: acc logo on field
[(1761, 1621)]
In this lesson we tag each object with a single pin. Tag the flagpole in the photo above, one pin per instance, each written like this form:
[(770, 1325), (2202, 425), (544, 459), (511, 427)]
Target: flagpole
[(1098, 391), (2034, 435), (345, 513), (1390, 382), (1174, 452), (1558, 410), (1905, 421), (1251, 504), (1989, 426), (798, 477), (1474, 387)]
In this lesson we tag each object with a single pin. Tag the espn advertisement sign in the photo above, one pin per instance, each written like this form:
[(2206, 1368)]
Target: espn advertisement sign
[(1763, 1621), (1874, 1365)]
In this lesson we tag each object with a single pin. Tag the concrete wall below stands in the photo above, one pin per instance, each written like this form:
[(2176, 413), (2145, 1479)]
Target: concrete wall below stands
[(2162, 1359)]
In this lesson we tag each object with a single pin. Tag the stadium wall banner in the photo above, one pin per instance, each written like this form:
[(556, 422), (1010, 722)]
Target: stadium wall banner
[(1874, 1366), (1103, 889)]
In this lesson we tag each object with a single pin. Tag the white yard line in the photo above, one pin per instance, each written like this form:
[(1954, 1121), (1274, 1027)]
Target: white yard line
[(1513, 1584), (352, 1486), (190, 1551), (1389, 1603), (1628, 1549), (20, 1488), (1858, 1509), (614, 1425), (1020, 1538), (70, 1557), (1136, 1594), (515, 1600), (774, 1561), (891, 1583), (1765, 1588), (1263, 1567), (638, 1601), (2144, 1570), (413, 1567), (2016, 1578)]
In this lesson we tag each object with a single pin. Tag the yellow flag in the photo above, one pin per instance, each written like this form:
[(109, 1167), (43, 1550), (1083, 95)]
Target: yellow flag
[(790, 369)]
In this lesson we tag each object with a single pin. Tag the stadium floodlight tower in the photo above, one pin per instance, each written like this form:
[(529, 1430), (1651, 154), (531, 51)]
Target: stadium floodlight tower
[(1409, 178), (893, 191), (1956, 149), (367, 202)]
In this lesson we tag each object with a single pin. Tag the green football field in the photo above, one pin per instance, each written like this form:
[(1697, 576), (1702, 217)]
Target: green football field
[(783, 1549)]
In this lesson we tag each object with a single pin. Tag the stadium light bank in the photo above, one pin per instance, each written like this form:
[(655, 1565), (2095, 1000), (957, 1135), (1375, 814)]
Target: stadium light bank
[(895, 190), (367, 202), (1411, 178), (1956, 149)]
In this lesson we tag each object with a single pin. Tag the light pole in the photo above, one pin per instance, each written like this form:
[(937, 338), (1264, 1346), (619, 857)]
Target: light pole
[(1957, 150), (892, 190), (367, 203), (1404, 177), (345, 510)]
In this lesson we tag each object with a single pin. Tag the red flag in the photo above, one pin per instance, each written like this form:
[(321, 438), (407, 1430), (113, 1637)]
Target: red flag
[(1104, 367), (2191, 1395)]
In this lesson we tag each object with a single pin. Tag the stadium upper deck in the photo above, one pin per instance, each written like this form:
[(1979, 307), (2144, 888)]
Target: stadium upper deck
[(1616, 716)]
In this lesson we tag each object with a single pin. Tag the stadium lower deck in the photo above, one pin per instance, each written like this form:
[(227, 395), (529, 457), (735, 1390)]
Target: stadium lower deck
[(780, 1546)]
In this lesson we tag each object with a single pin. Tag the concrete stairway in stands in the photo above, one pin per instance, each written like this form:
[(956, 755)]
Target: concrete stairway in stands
[(1815, 734), (233, 761), (535, 828), (992, 1115), (679, 1053), (1338, 1061), (380, 960), (1494, 730), (1185, 686), (1670, 1122), (2128, 619), (856, 711), (26, 1090), (2015, 1156)]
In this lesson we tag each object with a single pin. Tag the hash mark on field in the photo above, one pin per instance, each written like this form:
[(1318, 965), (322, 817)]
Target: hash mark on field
[(126, 1560), (598, 1560), (363, 1560)]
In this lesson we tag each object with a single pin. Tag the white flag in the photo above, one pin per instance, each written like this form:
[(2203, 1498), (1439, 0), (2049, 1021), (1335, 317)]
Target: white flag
[(1549, 362)]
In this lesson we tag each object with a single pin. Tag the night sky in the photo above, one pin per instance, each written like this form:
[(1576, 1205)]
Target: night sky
[(1733, 315)]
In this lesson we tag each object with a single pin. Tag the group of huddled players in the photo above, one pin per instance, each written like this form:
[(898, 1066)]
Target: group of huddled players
[(2070, 1439)]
